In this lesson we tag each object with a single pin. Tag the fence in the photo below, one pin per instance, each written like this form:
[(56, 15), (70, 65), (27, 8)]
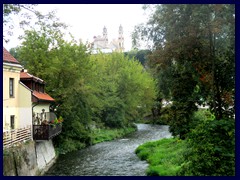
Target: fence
[(16, 136), (40, 117)]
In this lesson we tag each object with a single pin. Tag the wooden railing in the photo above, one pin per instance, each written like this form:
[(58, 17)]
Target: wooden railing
[(16, 136)]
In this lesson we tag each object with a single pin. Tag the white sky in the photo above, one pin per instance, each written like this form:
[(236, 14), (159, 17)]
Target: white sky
[(88, 20)]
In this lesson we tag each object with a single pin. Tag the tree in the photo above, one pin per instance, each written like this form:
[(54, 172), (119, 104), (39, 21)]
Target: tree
[(16, 9), (193, 59), (188, 56), (126, 91), (108, 89), (140, 55), (30, 18)]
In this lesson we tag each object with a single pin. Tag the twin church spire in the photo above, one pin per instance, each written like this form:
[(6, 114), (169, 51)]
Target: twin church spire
[(120, 40)]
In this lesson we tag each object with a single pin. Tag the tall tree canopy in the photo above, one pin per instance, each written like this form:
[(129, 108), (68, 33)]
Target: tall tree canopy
[(112, 90), (193, 57), (194, 61)]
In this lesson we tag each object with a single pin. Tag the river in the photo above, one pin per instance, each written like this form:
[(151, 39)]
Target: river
[(112, 158)]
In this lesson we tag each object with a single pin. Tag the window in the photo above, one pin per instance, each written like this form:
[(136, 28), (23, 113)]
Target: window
[(12, 121), (11, 87)]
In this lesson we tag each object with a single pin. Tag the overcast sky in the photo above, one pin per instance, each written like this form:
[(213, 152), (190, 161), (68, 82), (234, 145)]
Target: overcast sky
[(88, 20)]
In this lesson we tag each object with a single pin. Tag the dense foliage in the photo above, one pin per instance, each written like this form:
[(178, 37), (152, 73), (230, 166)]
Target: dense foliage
[(91, 90), (211, 149), (208, 151), (165, 156), (193, 49), (140, 55), (193, 59)]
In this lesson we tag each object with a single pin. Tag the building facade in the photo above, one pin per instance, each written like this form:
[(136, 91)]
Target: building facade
[(26, 105), (15, 95), (41, 101), (102, 42)]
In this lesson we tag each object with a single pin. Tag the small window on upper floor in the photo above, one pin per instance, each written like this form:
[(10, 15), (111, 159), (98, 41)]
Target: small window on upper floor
[(11, 87), (12, 121)]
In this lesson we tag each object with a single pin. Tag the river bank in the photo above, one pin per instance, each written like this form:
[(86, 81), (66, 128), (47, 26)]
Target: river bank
[(164, 156), (102, 135)]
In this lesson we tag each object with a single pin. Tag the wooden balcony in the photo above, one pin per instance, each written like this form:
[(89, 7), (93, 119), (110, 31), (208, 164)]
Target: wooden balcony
[(46, 132)]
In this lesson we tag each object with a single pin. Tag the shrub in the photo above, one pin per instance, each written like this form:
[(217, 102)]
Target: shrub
[(211, 149)]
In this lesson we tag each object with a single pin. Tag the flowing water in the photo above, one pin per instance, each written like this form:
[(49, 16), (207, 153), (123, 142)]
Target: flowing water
[(112, 158)]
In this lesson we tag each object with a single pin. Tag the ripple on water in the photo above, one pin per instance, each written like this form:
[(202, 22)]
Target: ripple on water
[(112, 158)]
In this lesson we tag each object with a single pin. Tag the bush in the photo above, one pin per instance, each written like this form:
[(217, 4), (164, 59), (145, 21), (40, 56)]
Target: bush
[(114, 117), (179, 116), (211, 149), (164, 156)]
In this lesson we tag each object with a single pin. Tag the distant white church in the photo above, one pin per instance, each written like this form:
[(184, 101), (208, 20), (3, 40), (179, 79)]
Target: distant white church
[(101, 42)]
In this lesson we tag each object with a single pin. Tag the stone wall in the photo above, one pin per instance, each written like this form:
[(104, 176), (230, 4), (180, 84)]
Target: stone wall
[(28, 159), (45, 155)]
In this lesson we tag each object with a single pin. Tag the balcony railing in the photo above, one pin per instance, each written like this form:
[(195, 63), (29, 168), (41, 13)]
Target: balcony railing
[(46, 132), (38, 118), (16, 136)]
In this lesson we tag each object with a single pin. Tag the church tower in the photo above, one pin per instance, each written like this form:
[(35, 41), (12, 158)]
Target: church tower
[(105, 36), (120, 39)]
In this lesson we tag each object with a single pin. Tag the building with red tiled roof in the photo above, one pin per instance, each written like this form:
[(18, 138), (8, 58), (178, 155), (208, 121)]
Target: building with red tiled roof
[(7, 57), (25, 102), (42, 96), (17, 98), (37, 85)]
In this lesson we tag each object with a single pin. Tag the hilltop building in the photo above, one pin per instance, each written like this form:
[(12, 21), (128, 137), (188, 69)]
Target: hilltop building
[(102, 43)]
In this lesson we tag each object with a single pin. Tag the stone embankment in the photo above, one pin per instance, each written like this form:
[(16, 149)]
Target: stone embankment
[(28, 159)]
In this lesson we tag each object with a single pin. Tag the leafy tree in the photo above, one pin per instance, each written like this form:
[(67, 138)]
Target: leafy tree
[(193, 59), (17, 9), (140, 55), (123, 86), (29, 18), (105, 88), (188, 56)]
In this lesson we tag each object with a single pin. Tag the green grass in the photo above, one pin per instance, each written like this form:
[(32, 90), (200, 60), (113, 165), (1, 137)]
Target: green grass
[(165, 156), (101, 135)]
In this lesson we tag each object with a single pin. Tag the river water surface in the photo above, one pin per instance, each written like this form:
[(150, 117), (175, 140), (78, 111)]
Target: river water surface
[(112, 158)]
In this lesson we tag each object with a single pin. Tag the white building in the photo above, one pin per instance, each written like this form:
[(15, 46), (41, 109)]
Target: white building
[(101, 43)]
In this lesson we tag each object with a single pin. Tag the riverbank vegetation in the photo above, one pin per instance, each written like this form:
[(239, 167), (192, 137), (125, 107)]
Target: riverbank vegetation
[(164, 156), (101, 135), (198, 155), (91, 91), (193, 60)]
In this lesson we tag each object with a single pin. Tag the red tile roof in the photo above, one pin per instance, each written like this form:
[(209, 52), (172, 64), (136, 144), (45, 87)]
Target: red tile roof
[(7, 57), (42, 96), (26, 75)]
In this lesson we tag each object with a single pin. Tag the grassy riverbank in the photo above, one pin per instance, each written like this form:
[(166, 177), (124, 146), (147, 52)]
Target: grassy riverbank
[(101, 135), (164, 156), (90, 138)]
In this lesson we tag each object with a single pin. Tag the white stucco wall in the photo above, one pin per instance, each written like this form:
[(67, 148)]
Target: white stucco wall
[(10, 104), (7, 112), (38, 108), (25, 106)]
